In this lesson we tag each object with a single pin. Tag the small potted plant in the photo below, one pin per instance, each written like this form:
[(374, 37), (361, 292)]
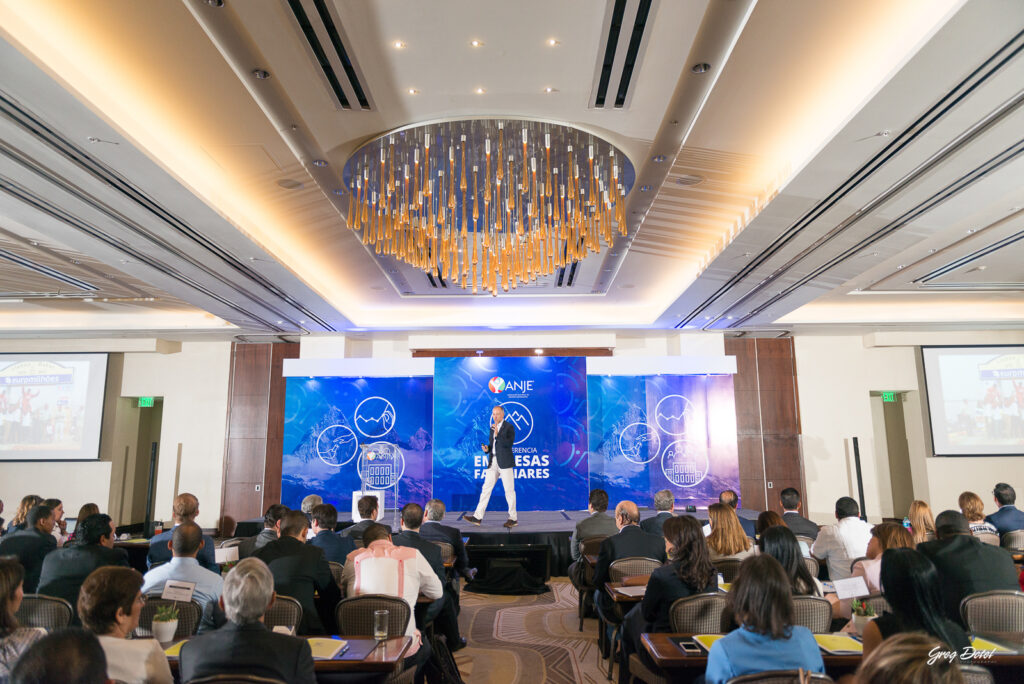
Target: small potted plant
[(165, 623), (862, 614)]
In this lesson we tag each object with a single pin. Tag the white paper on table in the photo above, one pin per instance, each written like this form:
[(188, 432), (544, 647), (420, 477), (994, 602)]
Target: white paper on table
[(228, 555), (283, 629), (851, 587), (177, 590)]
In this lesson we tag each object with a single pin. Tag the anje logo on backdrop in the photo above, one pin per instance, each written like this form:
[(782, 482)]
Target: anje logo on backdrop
[(497, 385)]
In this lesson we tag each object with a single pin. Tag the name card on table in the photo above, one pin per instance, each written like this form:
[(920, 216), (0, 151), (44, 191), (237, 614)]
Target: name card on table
[(228, 555), (851, 587), (177, 590)]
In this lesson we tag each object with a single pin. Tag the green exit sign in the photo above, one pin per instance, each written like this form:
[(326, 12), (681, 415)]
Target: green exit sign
[(147, 402), (889, 397)]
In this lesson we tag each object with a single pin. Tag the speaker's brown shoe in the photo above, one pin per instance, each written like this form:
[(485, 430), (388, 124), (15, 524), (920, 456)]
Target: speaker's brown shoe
[(471, 519), (510, 523)]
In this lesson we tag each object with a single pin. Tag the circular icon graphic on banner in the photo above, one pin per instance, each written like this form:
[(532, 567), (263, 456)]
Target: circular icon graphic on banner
[(671, 413), (520, 416), (336, 445), (381, 465), (375, 416), (639, 443), (684, 464), (496, 385)]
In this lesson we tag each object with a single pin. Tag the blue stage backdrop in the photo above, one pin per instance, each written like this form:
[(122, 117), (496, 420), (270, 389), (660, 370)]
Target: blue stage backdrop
[(327, 418), (545, 397), (675, 432)]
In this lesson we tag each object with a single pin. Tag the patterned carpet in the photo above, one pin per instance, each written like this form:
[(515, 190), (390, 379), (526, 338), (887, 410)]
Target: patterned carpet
[(527, 639)]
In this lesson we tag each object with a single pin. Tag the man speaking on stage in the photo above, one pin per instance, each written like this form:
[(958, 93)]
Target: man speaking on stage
[(499, 445)]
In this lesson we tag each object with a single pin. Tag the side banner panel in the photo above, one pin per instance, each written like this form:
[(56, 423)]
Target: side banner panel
[(675, 432), (328, 418), (544, 397)]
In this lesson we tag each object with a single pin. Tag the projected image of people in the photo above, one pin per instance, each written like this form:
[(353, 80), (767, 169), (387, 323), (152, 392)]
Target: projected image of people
[(42, 404)]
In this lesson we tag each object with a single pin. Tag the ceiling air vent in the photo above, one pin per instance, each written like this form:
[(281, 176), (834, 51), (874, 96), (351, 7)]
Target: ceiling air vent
[(625, 36), (326, 43)]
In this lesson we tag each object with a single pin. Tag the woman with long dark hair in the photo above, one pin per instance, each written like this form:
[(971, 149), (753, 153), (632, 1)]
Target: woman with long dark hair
[(780, 543), (14, 640), (910, 583), (762, 602)]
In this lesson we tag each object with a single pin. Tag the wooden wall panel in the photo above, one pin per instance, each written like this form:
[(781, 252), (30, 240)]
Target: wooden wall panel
[(275, 423)]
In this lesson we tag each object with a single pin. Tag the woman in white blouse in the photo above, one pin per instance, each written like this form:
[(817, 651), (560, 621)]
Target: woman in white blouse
[(109, 605), (60, 526)]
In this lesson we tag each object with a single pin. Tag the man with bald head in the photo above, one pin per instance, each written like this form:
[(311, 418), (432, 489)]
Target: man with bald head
[(629, 542), (185, 544), (185, 508)]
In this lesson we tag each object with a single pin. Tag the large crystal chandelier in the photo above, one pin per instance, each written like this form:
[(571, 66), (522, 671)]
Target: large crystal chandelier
[(488, 203)]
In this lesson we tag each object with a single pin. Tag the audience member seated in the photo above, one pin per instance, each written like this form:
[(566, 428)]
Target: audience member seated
[(84, 512), (848, 539), (442, 611), (60, 528), (688, 572), (300, 570), (911, 587), (973, 509), (966, 565), (664, 503), (400, 571), (185, 544), (727, 538), (746, 516), (762, 603), (790, 500), (64, 570), (908, 659), (31, 544), (18, 522), (368, 509), (433, 530), (109, 606), (244, 645), (67, 656), (14, 640), (1008, 518), (599, 524), (922, 524), (885, 536), (780, 543), (271, 531), (309, 503), (184, 509), (628, 542), (2, 531), (323, 517), (767, 519)]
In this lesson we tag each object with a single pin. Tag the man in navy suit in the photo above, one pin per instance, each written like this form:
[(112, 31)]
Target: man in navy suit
[(336, 548), (502, 461), (1008, 518), (433, 530)]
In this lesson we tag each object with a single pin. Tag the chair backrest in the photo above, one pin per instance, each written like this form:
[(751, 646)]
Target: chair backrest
[(285, 611), (355, 614), (813, 566), (188, 617), (636, 565), (234, 541), (813, 612), (878, 603), (805, 539), (698, 614), (48, 612), (235, 679), (1013, 540), (447, 551), (976, 674), (988, 538), (336, 570), (781, 677), (591, 545), (994, 611), (856, 560), (729, 567)]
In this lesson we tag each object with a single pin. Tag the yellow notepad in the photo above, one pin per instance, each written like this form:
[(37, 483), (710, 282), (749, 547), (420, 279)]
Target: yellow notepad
[(838, 644), (326, 649), (174, 651), (725, 586), (980, 644), (705, 640)]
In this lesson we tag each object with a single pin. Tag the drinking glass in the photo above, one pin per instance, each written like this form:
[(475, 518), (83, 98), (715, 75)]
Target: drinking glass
[(380, 625)]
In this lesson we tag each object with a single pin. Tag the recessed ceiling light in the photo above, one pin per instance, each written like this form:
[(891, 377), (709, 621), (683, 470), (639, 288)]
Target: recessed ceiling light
[(970, 230), (215, 3), (538, 351), (280, 322), (900, 267), (700, 68), (552, 42), (261, 74), (319, 163), (476, 43), (413, 91), (398, 44), (658, 158), (645, 188), (480, 91), (549, 89), (982, 268), (728, 318)]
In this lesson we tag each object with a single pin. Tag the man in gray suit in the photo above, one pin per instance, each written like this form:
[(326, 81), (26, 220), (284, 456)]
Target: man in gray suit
[(664, 502), (599, 524)]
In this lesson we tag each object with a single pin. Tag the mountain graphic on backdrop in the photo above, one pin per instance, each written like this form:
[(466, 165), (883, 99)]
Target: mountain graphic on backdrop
[(306, 449), (518, 419), (379, 425)]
